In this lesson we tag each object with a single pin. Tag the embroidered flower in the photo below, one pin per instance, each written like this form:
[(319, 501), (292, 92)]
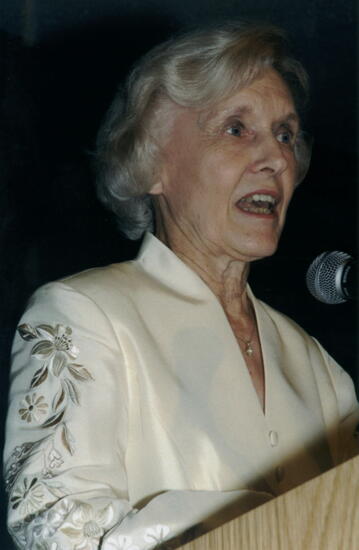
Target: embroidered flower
[(27, 496), (56, 351), (157, 534), (42, 529), (57, 347), (16, 460), (32, 408), (19, 451), (55, 459), (52, 459), (86, 526), (122, 542), (44, 526), (46, 473)]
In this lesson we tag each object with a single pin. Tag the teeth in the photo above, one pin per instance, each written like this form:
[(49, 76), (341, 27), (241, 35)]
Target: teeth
[(257, 210), (261, 197), (259, 203)]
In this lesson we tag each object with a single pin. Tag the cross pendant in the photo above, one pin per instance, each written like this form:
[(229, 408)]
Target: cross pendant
[(249, 349)]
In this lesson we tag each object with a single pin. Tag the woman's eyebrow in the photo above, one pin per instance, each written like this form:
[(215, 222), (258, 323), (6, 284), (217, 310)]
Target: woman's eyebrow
[(212, 116), (290, 118), (235, 111), (241, 110), (215, 116)]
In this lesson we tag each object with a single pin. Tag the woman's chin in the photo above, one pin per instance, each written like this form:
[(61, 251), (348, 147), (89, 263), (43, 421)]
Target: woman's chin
[(260, 255), (255, 249)]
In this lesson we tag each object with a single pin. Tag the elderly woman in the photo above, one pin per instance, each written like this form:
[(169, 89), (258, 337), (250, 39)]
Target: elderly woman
[(149, 396)]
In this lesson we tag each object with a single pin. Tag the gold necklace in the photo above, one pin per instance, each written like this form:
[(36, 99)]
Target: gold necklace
[(248, 343)]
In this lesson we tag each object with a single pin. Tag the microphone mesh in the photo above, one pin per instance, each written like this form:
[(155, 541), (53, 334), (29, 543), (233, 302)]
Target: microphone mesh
[(323, 275)]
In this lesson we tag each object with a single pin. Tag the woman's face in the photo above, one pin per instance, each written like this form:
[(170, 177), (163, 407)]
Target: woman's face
[(228, 174)]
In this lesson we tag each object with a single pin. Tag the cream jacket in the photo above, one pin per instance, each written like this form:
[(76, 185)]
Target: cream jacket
[(133, 417)]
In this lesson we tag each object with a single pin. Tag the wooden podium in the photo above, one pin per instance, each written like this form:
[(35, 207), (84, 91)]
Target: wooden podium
[(322, 514)]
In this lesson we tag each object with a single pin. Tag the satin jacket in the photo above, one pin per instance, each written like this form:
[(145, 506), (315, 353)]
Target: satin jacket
[(133, 416)]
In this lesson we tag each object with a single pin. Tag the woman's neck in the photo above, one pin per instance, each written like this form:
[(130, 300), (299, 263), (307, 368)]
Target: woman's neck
[(226, 277)]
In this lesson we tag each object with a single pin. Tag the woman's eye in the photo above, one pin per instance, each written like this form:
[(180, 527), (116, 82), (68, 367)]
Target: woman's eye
[(286, 137), (235, 129)]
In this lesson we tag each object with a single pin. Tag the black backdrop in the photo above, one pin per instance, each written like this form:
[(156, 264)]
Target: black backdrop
[(60, 63)]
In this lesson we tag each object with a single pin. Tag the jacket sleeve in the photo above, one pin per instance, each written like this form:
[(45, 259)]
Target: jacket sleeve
[(66, 438)]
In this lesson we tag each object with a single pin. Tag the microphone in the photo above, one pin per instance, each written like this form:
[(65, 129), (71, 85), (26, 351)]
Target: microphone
[(332, 277)]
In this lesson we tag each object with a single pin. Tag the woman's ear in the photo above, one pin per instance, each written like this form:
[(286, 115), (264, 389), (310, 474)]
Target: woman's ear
[(160, 178), (157, 188)]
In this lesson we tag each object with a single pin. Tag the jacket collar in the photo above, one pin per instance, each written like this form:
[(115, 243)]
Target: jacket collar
[(161, 264)]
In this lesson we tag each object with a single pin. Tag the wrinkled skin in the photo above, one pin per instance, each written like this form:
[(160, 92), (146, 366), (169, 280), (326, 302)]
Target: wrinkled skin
[(212, 159)]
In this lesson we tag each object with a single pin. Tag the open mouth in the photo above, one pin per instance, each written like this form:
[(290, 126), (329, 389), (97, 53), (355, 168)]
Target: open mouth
[(258, 203)]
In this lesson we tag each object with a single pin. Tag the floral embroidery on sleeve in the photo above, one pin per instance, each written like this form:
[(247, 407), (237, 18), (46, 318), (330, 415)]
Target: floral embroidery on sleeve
[(53, 346), (44, 517), (27, 496), (82, 525), (86, 526), (123, 542), (57, 351), (32, 408), (157, 534)]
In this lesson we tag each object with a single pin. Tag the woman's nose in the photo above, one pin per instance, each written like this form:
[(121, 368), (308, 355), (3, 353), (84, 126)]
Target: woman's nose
[(269, 156)]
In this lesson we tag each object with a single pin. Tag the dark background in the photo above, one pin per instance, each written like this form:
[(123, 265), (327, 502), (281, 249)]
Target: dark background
[(60, 62)]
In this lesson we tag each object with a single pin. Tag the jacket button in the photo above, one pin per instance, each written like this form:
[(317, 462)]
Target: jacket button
[(273, 438)]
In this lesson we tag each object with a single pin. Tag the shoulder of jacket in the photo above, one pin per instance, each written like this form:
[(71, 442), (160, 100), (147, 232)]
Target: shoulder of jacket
[(114, 273), (104, 287), (101, 281)]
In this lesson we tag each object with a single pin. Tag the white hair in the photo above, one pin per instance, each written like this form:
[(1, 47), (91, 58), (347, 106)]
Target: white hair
[(194, 70)]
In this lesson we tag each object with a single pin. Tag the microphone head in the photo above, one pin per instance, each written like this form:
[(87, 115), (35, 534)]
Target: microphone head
[(324, 277)]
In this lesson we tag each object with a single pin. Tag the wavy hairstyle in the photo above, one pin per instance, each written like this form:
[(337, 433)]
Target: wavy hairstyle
[(195, 70)]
